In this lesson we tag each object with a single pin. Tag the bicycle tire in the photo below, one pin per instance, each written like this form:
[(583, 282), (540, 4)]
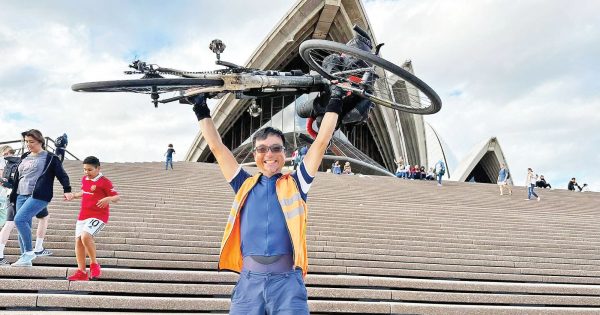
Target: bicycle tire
[(146, 86), (413, 96)]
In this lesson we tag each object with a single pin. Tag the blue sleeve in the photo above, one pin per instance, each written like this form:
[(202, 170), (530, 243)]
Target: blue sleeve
[(239, 178), (303, 180)]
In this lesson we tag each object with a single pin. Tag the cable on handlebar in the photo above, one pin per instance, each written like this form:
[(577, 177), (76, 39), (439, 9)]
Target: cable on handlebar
[(309, 127)]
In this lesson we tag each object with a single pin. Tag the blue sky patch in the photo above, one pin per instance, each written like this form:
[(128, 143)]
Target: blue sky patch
[(456, 92), (15, 116)]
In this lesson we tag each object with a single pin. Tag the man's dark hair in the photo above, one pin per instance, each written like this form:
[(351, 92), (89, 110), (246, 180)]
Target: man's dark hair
[(92, 160), (262, 134)]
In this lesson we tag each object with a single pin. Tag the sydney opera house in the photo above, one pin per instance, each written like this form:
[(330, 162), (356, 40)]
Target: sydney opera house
[(371, 148)]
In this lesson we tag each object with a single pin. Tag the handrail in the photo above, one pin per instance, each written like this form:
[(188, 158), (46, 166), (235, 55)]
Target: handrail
[(9, 142), (66, 151), (20, 150)]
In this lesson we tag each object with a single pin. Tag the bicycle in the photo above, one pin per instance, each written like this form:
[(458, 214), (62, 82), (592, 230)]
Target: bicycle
[(367, 75)]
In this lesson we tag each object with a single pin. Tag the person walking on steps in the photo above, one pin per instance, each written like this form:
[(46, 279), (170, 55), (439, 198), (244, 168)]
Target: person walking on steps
[(503, 178), (440, 170), (11, 165), (34, 188), (169, 155), (97, 192), (265, 236), (530, 182)]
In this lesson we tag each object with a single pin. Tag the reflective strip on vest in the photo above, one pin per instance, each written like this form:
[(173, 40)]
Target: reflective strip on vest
[(294, 209)]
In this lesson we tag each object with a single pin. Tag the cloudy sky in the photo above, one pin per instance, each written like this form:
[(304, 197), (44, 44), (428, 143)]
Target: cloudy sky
[(527, 72)]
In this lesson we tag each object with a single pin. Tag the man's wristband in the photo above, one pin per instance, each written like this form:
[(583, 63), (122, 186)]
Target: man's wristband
[(202, 111)]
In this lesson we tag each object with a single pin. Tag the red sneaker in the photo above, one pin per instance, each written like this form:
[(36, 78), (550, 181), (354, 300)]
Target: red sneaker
[(79, 276), (95, 271)]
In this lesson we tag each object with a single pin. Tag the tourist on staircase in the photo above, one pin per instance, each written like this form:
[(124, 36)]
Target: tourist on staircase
[(265, 236), (169, 155), (530, 183), (541, 183), (34, 189), (7, 179), (503, 179), (97, 192)]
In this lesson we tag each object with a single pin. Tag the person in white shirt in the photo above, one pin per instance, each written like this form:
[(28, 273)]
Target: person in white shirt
[(530, 183)]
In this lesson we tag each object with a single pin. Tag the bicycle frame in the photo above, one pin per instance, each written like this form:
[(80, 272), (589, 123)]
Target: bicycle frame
[(278, 82)]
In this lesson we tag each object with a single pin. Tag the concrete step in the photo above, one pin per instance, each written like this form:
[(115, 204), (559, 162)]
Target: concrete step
[(456, 249)]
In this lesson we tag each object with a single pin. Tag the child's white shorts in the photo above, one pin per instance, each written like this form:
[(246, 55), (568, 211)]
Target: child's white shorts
[(92, 226)]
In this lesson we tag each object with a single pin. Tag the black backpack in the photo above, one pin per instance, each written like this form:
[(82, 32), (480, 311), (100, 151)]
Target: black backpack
[(62, 141), (10, 170)]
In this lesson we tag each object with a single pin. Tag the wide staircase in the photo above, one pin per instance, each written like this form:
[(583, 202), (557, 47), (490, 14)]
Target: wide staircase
[(377, 245)]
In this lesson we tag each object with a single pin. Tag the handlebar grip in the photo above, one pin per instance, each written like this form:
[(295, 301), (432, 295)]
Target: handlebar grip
[(360, 31)]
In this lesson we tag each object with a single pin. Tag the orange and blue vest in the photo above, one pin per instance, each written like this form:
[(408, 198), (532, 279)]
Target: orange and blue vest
[(294, 213)]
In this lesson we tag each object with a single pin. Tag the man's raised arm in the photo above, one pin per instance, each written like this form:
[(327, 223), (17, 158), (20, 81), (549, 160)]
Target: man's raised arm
[(223, 155), (314, 156)]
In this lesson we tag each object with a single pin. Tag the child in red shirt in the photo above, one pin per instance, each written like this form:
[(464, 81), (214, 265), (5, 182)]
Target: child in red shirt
[(96, 193)]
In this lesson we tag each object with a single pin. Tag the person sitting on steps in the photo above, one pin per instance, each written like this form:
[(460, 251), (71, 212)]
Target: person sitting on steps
[(573, 184), (541, 183)]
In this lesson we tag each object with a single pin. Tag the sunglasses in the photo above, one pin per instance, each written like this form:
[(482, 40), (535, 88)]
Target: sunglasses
[(276, 148)]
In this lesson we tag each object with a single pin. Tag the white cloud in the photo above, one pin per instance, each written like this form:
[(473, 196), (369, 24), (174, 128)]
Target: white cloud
[(69, 43), (525, 72)]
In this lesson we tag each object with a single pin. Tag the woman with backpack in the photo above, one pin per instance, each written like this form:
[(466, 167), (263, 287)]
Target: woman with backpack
[(33, 189)]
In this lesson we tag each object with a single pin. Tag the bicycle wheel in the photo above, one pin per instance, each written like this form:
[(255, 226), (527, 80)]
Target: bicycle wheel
[(391, 85), (146, 86)]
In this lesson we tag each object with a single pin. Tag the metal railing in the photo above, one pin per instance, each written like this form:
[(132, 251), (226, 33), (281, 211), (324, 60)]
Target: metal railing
[(19, 146)]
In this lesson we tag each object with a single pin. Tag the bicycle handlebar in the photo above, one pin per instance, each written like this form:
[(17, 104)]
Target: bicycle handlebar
[(361, 32)]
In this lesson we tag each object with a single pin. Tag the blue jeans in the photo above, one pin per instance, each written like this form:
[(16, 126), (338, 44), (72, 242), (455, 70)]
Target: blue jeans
[(27, 208), (531, 192), (259, 293), (169, 161), (440, 178)]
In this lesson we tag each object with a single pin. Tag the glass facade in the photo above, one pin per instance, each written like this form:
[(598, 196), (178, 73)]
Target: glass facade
[(354, 143)]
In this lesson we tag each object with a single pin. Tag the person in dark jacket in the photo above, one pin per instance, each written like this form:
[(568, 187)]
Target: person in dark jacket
[(573, 183), (541, 183), (33, 189), (42, 216), (61, 146)]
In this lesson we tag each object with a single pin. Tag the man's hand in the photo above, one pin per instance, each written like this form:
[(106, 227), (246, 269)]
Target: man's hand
[(200, 107)]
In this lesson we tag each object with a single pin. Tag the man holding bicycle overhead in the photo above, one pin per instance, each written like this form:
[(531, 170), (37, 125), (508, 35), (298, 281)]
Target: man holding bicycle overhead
[(265, 235)]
